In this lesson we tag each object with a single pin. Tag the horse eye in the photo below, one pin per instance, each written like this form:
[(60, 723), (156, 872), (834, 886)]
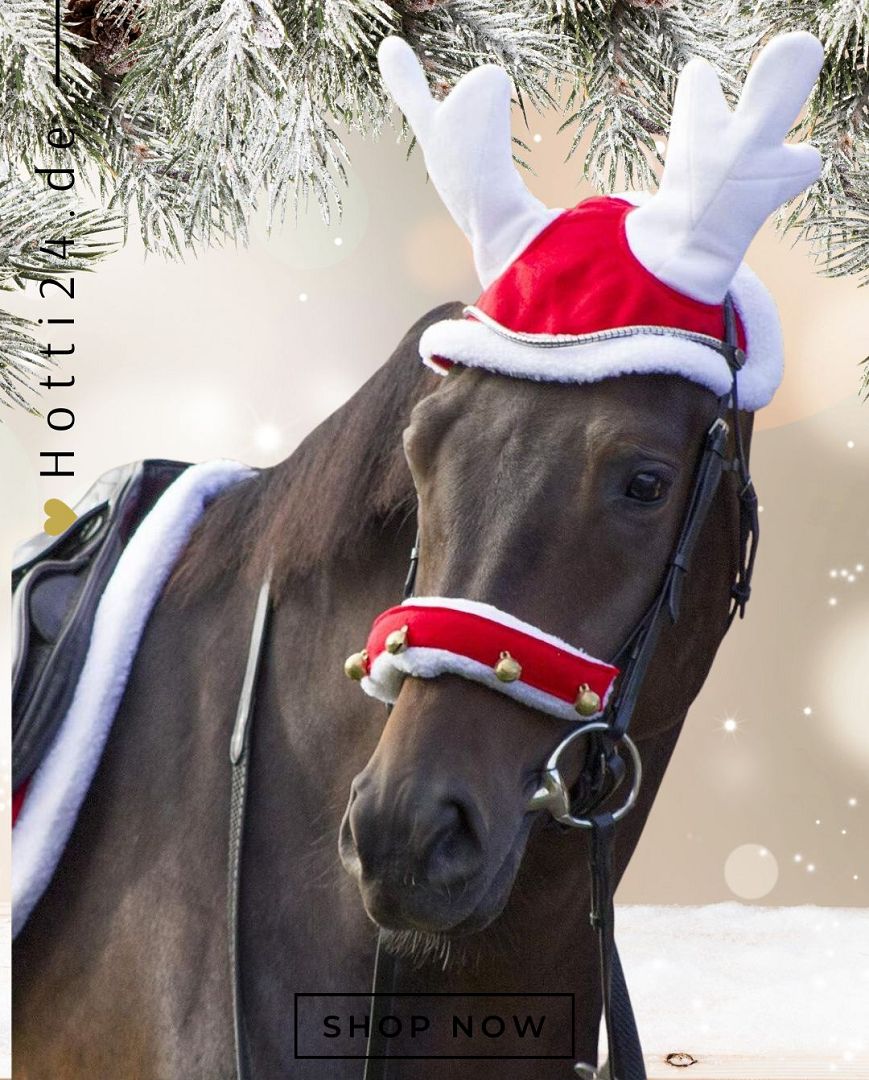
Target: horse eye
[(647, 487)]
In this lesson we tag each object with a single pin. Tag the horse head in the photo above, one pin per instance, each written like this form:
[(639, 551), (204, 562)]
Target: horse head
[(566, 467)]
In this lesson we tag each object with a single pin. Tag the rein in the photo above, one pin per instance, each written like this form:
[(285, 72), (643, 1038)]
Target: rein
[(603, 774)]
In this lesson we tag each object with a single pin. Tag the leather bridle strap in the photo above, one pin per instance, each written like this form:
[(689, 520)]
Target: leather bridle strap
[(384, 978), (623, 1040), (626, 1058), (641, 645), (749, 523), (239, 758), (635, 655), (625, 1050)]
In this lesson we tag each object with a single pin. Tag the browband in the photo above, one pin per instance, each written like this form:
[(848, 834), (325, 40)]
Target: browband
[(429, 636)]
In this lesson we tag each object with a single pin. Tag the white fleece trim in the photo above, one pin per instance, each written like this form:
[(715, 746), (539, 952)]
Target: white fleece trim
[(471, 343), (389, 670), (503, 618), (762, 372), (57, 789)]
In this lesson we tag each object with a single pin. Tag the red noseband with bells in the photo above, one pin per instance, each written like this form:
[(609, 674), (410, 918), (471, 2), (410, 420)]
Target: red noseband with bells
[(429, 636)]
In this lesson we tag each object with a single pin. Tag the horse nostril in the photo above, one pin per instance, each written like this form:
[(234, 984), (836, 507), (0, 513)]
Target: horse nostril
[(424, 837), (455, 853)]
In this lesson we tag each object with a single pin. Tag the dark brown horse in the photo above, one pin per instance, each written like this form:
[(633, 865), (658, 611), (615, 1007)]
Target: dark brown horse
[(559, 503)]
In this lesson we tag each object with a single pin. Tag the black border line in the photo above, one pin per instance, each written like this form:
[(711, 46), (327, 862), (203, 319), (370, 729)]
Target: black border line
[(57, 42), (433, 1057)]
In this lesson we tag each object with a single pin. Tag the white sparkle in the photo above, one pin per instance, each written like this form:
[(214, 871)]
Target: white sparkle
[(852, 801), (760, 509), (730, 725), (850, 444), (338, 241), (851, 579), (810, 868), (859, 568), (834, 573), (798, 858), (832, 601), (843, 573), (817, 821), (303, 297), (538, 138), (844, 832), (807, 711), (267, 438), (856, 877)]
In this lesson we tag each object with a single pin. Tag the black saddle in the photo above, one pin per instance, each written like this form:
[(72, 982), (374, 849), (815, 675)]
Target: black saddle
[(57, 583)]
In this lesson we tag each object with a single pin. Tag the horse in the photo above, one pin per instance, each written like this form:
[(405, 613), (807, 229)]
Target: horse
[(570, 497), (561, 502)]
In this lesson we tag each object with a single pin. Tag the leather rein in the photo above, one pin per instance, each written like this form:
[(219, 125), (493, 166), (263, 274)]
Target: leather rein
[(605, 767)]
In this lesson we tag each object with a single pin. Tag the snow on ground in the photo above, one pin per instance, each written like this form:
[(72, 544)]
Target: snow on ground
[(741, 979)]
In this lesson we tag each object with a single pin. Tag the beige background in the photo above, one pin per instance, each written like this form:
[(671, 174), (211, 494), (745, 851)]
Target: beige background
[(241, 352)]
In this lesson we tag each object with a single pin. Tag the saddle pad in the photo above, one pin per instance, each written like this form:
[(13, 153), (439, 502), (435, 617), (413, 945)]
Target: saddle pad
[(57, 584), (54, 793)]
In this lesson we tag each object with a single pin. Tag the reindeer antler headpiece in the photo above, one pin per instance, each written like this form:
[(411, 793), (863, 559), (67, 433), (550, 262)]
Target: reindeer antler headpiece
[(632, 283)]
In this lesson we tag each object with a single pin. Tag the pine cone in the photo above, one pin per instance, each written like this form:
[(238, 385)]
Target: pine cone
[(111, 36)]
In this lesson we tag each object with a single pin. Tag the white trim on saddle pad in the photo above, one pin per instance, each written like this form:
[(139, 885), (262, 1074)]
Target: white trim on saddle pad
[(57, 789)]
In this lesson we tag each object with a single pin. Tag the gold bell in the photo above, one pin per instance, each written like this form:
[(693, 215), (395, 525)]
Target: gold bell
[(356, 665), (587, 701), (396, 642), (507, 669)]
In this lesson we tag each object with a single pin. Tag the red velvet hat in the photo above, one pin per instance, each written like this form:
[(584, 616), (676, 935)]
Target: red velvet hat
[(628, 284)]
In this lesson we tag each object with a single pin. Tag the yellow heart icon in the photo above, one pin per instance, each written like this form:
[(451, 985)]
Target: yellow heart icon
[(60, 517)]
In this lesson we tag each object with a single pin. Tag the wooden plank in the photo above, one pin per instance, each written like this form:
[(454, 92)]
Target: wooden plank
[(755, 1067)]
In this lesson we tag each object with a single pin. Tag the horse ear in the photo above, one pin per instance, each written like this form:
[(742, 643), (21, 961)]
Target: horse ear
[(726, 172), (467, 146)]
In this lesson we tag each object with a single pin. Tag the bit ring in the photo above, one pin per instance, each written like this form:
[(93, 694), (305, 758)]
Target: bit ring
[(553, 794)]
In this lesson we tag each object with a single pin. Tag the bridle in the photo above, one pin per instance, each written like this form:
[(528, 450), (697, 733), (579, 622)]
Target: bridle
[(604, 769)]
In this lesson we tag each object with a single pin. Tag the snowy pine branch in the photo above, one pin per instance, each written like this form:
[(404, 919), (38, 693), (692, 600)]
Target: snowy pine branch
[(29, 233), (194, 112)]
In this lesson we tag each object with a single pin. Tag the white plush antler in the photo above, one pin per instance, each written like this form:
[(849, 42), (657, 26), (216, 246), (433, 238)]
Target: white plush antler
[(467, 147), (726, 172)]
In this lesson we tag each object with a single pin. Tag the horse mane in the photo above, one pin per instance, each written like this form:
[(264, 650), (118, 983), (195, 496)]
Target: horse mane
[(347, 478)]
